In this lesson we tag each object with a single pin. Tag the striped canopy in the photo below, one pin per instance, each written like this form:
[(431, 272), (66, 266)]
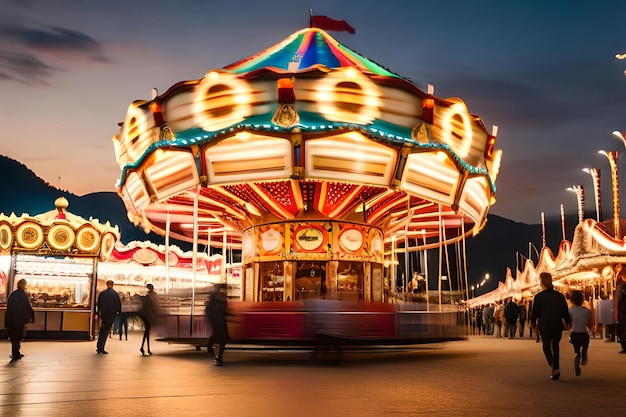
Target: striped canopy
[(307, 49)]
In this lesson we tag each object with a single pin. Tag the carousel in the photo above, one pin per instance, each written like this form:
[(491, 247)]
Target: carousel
[(315, 162), (57, 253)]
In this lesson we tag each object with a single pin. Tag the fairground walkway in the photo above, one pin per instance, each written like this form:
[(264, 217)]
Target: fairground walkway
[(482, 376)]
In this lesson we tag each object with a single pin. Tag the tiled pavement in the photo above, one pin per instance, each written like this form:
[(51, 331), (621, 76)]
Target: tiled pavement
[(482, 376)]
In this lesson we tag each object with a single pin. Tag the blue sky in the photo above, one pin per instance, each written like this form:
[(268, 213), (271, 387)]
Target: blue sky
[(543, 71)]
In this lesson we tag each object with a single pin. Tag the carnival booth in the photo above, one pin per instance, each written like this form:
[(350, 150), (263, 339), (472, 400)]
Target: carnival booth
[(169, 269), (590, 263), (57, 253)]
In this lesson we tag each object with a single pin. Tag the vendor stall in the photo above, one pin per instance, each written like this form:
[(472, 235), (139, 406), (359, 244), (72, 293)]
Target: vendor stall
[(57, 253)]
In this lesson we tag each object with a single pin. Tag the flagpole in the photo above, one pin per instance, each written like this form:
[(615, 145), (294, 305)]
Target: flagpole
[(310, 18)]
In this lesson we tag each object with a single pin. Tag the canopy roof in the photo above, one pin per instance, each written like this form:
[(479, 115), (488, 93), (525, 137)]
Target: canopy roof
[(57, 232), (306, 129), (307, 49)]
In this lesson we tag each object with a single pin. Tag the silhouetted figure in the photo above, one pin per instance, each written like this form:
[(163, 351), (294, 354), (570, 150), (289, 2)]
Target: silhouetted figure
[(19, 312), (522, 317), (216, 311), (149, 303), (620, 312), (511, 314), (581, 324), (108, 307), (550, 312)]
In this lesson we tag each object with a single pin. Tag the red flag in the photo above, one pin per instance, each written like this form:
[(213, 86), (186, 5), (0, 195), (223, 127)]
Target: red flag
[(326, 23)]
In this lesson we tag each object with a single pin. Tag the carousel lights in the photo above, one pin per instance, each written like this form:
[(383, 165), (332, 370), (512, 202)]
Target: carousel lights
[(450, 128), (491, 142), (442, 156)]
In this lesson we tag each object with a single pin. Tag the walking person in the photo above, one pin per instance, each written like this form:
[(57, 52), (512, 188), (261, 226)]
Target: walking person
[(548, 315), (511, 314), (108, 307), (498, 316), (488, 319), (620, 312), (216, 311), (522, 317), (581, 323), (149, 309), (479, 319), (19, 312)]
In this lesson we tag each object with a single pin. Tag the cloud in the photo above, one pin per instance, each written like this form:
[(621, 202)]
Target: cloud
[(33, 52), (23, 67), (536, 94)]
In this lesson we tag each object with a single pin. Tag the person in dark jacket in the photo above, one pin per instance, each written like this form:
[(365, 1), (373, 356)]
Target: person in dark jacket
[(620, 312), (216, 311), (149, 303), (488, 319), (550, 312), (522, 317), (109, 306), (511, 314), (19, 312)]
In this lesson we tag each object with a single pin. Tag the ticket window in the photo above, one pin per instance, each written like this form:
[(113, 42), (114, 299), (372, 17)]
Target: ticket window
[(272, 281), (310, 280)]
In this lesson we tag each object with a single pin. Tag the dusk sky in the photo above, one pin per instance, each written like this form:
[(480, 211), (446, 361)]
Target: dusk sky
[(544, 71)]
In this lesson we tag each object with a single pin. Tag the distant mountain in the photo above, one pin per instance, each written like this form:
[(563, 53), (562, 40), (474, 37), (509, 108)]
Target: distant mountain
[(502, 243), (22, 191)]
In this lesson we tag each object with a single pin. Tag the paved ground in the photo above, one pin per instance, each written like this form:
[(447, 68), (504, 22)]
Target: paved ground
[(483, 376)]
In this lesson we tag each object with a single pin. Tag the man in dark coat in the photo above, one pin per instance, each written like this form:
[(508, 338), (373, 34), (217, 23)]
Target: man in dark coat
[(108, 307), (511, 313), (550, 311), (522, 317), (620, 312), (216, 313), (488, 319), (19, 312)]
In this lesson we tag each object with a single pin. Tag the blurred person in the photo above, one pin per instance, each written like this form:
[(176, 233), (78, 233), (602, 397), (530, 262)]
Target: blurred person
[(580, 317), (488, 319), (149, 309), (216, 310), (498, 317), (620, 312), (511, 314), (108, 307), (19, 312), (522, 316), (472, 318), (479, 319), (548, 316)]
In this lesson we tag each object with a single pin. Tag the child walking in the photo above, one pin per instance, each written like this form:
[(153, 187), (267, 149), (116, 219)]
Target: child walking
[(579, 337)]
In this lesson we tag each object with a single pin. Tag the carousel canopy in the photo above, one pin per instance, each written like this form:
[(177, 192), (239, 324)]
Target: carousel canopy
[(306, 129)]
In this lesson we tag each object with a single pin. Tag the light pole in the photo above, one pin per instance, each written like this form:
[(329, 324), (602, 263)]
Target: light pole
[(580, 194), (532, 246), (472, 291), (612, 157), (595, 176)]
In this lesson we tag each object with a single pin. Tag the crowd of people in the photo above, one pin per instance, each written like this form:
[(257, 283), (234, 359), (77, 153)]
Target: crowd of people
[(549, 313), (546, 315)]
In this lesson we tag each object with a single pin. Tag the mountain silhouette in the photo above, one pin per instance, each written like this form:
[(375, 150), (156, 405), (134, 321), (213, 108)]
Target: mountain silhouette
[(23, 192), (502, 243)]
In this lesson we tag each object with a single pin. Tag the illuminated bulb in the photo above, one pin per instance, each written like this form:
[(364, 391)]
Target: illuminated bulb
[(442, 156)]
